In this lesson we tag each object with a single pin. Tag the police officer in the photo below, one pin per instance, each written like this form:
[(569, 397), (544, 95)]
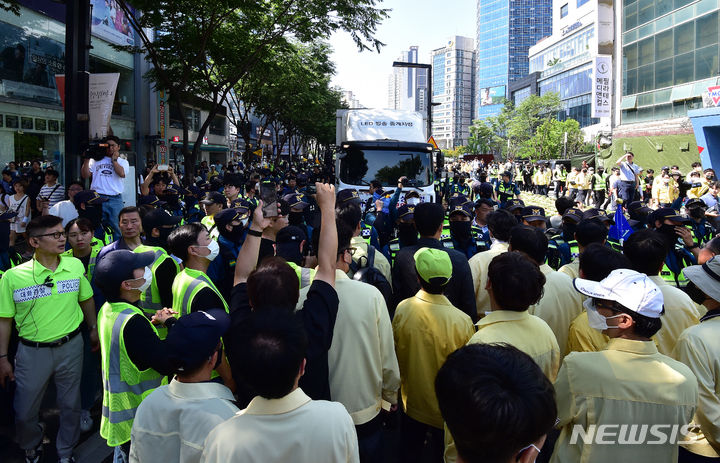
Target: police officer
[(48, 297), (89, 205), (460, 233), (682, 249), (506, 190), (407, 235), (213, 203), (83, 245), (534, 216), (135, 360), (638, 212), (599, 186), (297, 216), (232, 224), (515, 207), (290, 245), (606, 220), (563, 248), (701, 228)]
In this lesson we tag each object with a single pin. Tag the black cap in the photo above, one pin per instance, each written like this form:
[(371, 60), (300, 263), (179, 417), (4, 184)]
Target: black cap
[(666, 213), (88, 197), (573, 214), (213, 197), (595, 213), (233, 180), (348, 195), (151, 200), (290, 234), (117, 266), (195, 337), (532, 213), (406, 212), (157, 218), (695, 202), (514, 204), (295, 200), (638, 207), (227, 216)]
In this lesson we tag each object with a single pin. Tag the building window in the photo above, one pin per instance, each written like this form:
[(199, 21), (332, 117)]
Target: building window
[(564, 10), (581, 2)]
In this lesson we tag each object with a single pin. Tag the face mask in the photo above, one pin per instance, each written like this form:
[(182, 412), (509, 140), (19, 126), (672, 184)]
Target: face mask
[(147, 276), (236, 234), (214, 248), (669, 232), (569, 230), (295, 218), (697, 213), (595, 319), (407, 234), (413, 201), (92, 213), (695, 293), (461, 231), (164, 233)]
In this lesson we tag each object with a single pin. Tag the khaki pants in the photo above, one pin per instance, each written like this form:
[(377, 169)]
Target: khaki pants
[(33, 369)]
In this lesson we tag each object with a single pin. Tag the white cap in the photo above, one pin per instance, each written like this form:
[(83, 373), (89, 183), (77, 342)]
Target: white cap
[(632, 290)]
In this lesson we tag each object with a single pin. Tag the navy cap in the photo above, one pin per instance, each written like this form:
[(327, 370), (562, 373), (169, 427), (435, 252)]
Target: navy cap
[(348, 195), (213, 197), (666, 213), (596, 213), (118, 265), (195, 337), (695, 202), (158, 218), (406, 212), (573, 214), (295, 200), (514, 204), (290, 234), (533, 213), (638, 207), (195, 190), (151, 200), (227, 216), (88, 197), (460, 204)]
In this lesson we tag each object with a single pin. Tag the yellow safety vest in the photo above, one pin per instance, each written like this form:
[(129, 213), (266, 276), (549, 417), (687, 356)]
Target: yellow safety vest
[(124, 385), (150, 300), (185, 287), (305, 275)]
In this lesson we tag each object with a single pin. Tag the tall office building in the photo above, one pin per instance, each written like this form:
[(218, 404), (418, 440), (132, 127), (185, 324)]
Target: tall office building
[(407, 87), (453, 74), (506, 29)]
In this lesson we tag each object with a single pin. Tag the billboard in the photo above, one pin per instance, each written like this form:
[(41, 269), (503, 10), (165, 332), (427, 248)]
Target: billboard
[(602, 86), (28, 64), (110, 23), (492, 95)]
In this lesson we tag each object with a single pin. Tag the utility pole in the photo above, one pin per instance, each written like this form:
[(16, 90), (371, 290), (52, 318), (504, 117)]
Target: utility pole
[(77, 77)]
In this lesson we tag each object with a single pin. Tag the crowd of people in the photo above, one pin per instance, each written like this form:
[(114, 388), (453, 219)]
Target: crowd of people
[(209, 325)]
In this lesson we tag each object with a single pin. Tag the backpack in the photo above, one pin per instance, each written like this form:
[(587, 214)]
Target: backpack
[(369, 274)]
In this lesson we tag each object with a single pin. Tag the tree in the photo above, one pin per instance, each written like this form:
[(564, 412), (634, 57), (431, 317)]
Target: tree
[(203, 48)]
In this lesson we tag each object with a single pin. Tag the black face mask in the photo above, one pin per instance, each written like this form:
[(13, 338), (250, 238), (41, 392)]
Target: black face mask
[(235, 235), (695, 293), (669, 232), (461, 231), (407, 234), (697, 213), (164, 233), (296, 218), (92, 213), (569, 230)]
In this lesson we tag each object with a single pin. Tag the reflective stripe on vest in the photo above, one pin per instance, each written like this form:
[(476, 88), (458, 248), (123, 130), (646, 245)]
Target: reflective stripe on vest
[(124, 386), (188, 285), (150, 299), (305, 277)]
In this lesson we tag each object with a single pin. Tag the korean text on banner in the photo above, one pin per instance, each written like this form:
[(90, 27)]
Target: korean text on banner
[(100, 102), (602, 86)]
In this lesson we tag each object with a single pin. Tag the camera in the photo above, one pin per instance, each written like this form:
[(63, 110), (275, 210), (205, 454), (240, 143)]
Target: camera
[(95, 150)]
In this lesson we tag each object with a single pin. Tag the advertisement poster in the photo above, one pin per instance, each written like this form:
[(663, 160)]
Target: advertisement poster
[(492, 95), (101, 97), (110, 23), (28, 64), (602, 86)]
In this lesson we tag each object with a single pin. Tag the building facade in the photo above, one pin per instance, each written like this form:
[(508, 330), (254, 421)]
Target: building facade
[(506, 29), (564, 61), (407, 87), (453, 72)]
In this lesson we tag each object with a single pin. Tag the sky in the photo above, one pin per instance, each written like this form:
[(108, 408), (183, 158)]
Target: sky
[(425, 23)]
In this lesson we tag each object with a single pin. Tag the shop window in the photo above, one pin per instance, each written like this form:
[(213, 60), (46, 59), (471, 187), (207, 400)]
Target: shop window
[(53, 126), (26, 123), (40, 124)]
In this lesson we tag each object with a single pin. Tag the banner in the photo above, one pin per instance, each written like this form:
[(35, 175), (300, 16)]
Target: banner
[(110, 23), (100, 102), (162, 149), (492, 95), (602, 86)]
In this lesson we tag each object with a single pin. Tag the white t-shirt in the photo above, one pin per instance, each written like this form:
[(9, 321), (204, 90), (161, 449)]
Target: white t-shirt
[(65, 210), (104, 179)]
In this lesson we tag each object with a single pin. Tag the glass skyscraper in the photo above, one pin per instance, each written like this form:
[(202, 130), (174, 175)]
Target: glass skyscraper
[(506, 29)]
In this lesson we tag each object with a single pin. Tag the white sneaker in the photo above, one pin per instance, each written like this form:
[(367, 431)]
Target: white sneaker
[(86, 421)]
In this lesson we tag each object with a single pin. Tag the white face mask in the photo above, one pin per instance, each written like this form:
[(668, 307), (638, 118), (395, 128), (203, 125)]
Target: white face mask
[(595, 319), (214, 248), (413, 201), (147, 276)]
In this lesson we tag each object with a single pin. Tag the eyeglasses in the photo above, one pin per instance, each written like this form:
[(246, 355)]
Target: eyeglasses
[(55, 235)]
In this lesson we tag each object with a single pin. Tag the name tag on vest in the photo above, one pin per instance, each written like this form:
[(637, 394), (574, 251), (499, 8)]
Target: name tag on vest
[(68, 286), (31, 293)]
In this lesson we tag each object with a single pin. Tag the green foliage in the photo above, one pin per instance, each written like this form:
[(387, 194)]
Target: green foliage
[(530, 130)]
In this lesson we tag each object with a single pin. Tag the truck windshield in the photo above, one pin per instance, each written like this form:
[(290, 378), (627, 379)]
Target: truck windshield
[(359, 167)]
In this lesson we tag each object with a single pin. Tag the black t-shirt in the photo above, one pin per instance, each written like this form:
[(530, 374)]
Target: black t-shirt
[(144, 347), (165, 275), (318, 315), (266, 249), (205, 299)]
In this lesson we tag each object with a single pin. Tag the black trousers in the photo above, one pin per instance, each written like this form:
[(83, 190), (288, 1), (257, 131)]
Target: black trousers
[(418, 439)]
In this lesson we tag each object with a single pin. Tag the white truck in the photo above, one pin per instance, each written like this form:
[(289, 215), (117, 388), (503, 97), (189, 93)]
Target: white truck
[(383, 145)]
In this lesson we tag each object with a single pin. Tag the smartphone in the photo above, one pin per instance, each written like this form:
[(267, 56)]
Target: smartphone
[(268, 194)]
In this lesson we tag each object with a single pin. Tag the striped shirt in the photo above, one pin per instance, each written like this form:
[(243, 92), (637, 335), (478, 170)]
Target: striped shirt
[(54, 194)]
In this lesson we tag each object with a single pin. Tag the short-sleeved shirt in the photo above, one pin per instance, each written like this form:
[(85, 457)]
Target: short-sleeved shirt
[(44, 313), (65, 210), (628, 171), (105, 180), (54, 194)]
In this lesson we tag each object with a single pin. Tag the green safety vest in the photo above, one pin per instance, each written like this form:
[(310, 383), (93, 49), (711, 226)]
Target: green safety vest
[(393, 248), (600, 181), (678, 280), (561, 175), (124, 385), (209, 222), (305, 275), (185, 287), (150, 300), (505, 192), (97, 245)]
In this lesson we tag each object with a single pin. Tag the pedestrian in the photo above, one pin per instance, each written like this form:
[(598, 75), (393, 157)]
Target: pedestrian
[(172, 422), (682, 251), (213, 203), (630, 381), (629, 177), (20, 204), (698, 349), (49, 297), (427, 328), (107, 179), (135, 360), (505, 387), (232, 225), (274, 345), (51, 192)]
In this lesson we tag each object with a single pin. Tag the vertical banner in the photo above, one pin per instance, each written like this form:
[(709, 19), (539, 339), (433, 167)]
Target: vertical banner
[(60, 84), (602, 88), (101, 97), (162, 157)]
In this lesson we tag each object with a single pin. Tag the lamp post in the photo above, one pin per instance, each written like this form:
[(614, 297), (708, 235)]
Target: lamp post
[(402, 64)]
